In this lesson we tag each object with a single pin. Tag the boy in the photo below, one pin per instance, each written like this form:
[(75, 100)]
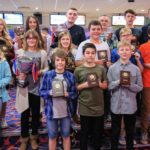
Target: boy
[(91, 103), (123, 100), (58, 110), (144, 49)]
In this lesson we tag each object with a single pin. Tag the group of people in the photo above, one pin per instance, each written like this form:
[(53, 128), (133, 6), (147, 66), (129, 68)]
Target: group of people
[(74, 76)]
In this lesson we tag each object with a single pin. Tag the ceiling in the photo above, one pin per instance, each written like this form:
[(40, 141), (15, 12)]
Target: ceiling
[(84, 6)]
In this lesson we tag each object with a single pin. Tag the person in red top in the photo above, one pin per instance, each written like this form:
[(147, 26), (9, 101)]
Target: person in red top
[(145, 53)]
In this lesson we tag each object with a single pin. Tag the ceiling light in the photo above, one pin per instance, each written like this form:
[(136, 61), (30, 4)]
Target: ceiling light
[(97, 9), (142, 10), (36, 8)]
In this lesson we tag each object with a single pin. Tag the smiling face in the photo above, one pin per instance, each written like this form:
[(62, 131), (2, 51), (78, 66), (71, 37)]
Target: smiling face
[(31, 41), (71, 16), (32, 23), (60, 64), (125, 52), (95, 31), (65, 41)]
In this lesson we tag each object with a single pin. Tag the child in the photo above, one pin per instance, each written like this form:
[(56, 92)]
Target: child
[(5, 78), (144, 49), (58, 109), (91, 103), (123, 100)]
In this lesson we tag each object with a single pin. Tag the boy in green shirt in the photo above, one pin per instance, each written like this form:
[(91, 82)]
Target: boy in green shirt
[(91, 80)]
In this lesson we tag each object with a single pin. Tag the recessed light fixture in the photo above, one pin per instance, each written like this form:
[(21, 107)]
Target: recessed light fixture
[(97, 9), (142, 10), (36, 8)]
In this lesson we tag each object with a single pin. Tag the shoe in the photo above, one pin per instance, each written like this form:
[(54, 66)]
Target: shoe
[(33, 141), (144, 138), (4, 124), (122, 141), (24, 143)]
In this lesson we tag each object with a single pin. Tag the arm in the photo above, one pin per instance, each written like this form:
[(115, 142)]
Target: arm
[(111, 83), (138, 86), (139, 64), (147, 65), (44, 91), (7, 76)]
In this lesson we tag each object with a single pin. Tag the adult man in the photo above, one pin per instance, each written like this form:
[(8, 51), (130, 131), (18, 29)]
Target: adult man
[(130, 16), (107, 32), (76, 31)]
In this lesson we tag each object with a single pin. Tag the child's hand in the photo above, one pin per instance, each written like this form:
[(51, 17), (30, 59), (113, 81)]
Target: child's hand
[(103, 85), (99, 62), (137, 56), (66, 94), (22, 76), (108, 64)]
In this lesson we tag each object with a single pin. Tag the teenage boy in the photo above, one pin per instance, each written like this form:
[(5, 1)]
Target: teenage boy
[(123, 99), (95, 29), (59, 108), (130, 16), (91, 102), (145, 52)]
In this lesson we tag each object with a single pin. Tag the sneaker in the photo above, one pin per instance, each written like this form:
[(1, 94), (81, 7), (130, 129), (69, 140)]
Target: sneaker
[(4, 124), (144, 138), (122, 141)]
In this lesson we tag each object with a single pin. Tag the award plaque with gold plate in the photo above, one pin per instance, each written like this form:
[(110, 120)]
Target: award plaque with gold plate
[(57, 88), (92, 79), (124, 77), (102, 55)]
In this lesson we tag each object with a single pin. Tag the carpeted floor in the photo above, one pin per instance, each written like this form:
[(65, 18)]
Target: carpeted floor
[(12, 133)]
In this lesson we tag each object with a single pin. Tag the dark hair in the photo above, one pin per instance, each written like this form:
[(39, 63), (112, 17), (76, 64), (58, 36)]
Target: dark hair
[(148, 31), (88, 45), (37, 29), (45, 29), (131, 11), (95, 23)]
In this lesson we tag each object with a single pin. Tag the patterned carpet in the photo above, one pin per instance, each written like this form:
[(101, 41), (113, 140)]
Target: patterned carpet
[(12, 133)]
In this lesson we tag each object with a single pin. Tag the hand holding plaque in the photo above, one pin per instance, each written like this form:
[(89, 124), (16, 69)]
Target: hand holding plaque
[(102, 55), (57, 88), (92, 80), (124, 78)]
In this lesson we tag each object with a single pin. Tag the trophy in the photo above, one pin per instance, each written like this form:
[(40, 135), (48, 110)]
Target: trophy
[(24, 65), (57, 88), (92, 80), (124, 78), (102, 55)]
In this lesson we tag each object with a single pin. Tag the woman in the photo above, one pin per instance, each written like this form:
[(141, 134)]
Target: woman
[(7, 47), (28, 99), (32, 23), (65, 43)]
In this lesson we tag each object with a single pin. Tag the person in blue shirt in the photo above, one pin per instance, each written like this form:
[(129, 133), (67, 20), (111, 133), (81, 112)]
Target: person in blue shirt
[(59, 110)]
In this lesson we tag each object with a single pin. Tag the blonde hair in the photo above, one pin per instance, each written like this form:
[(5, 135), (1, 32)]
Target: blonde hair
[(125, 43), (125, 30), (61, 34), (2, 54), (35, 35), (5, 34)]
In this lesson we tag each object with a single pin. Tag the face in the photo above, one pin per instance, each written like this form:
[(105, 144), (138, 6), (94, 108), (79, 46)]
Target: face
[(60, 63), (129, 18), (1, 26), (32, 23), (104, 20), (31, 41), (65, 41), (95, 31), (125, 52), (126, 36), (72, 16), (89, 55)]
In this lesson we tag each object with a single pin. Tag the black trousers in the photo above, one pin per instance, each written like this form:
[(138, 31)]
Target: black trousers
[(91, 126), (129, 121), (34, 108)]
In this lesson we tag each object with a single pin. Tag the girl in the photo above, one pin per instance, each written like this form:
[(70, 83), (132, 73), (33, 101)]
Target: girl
[(5, 77), (7, 46), (65, 43), (27, 98)]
